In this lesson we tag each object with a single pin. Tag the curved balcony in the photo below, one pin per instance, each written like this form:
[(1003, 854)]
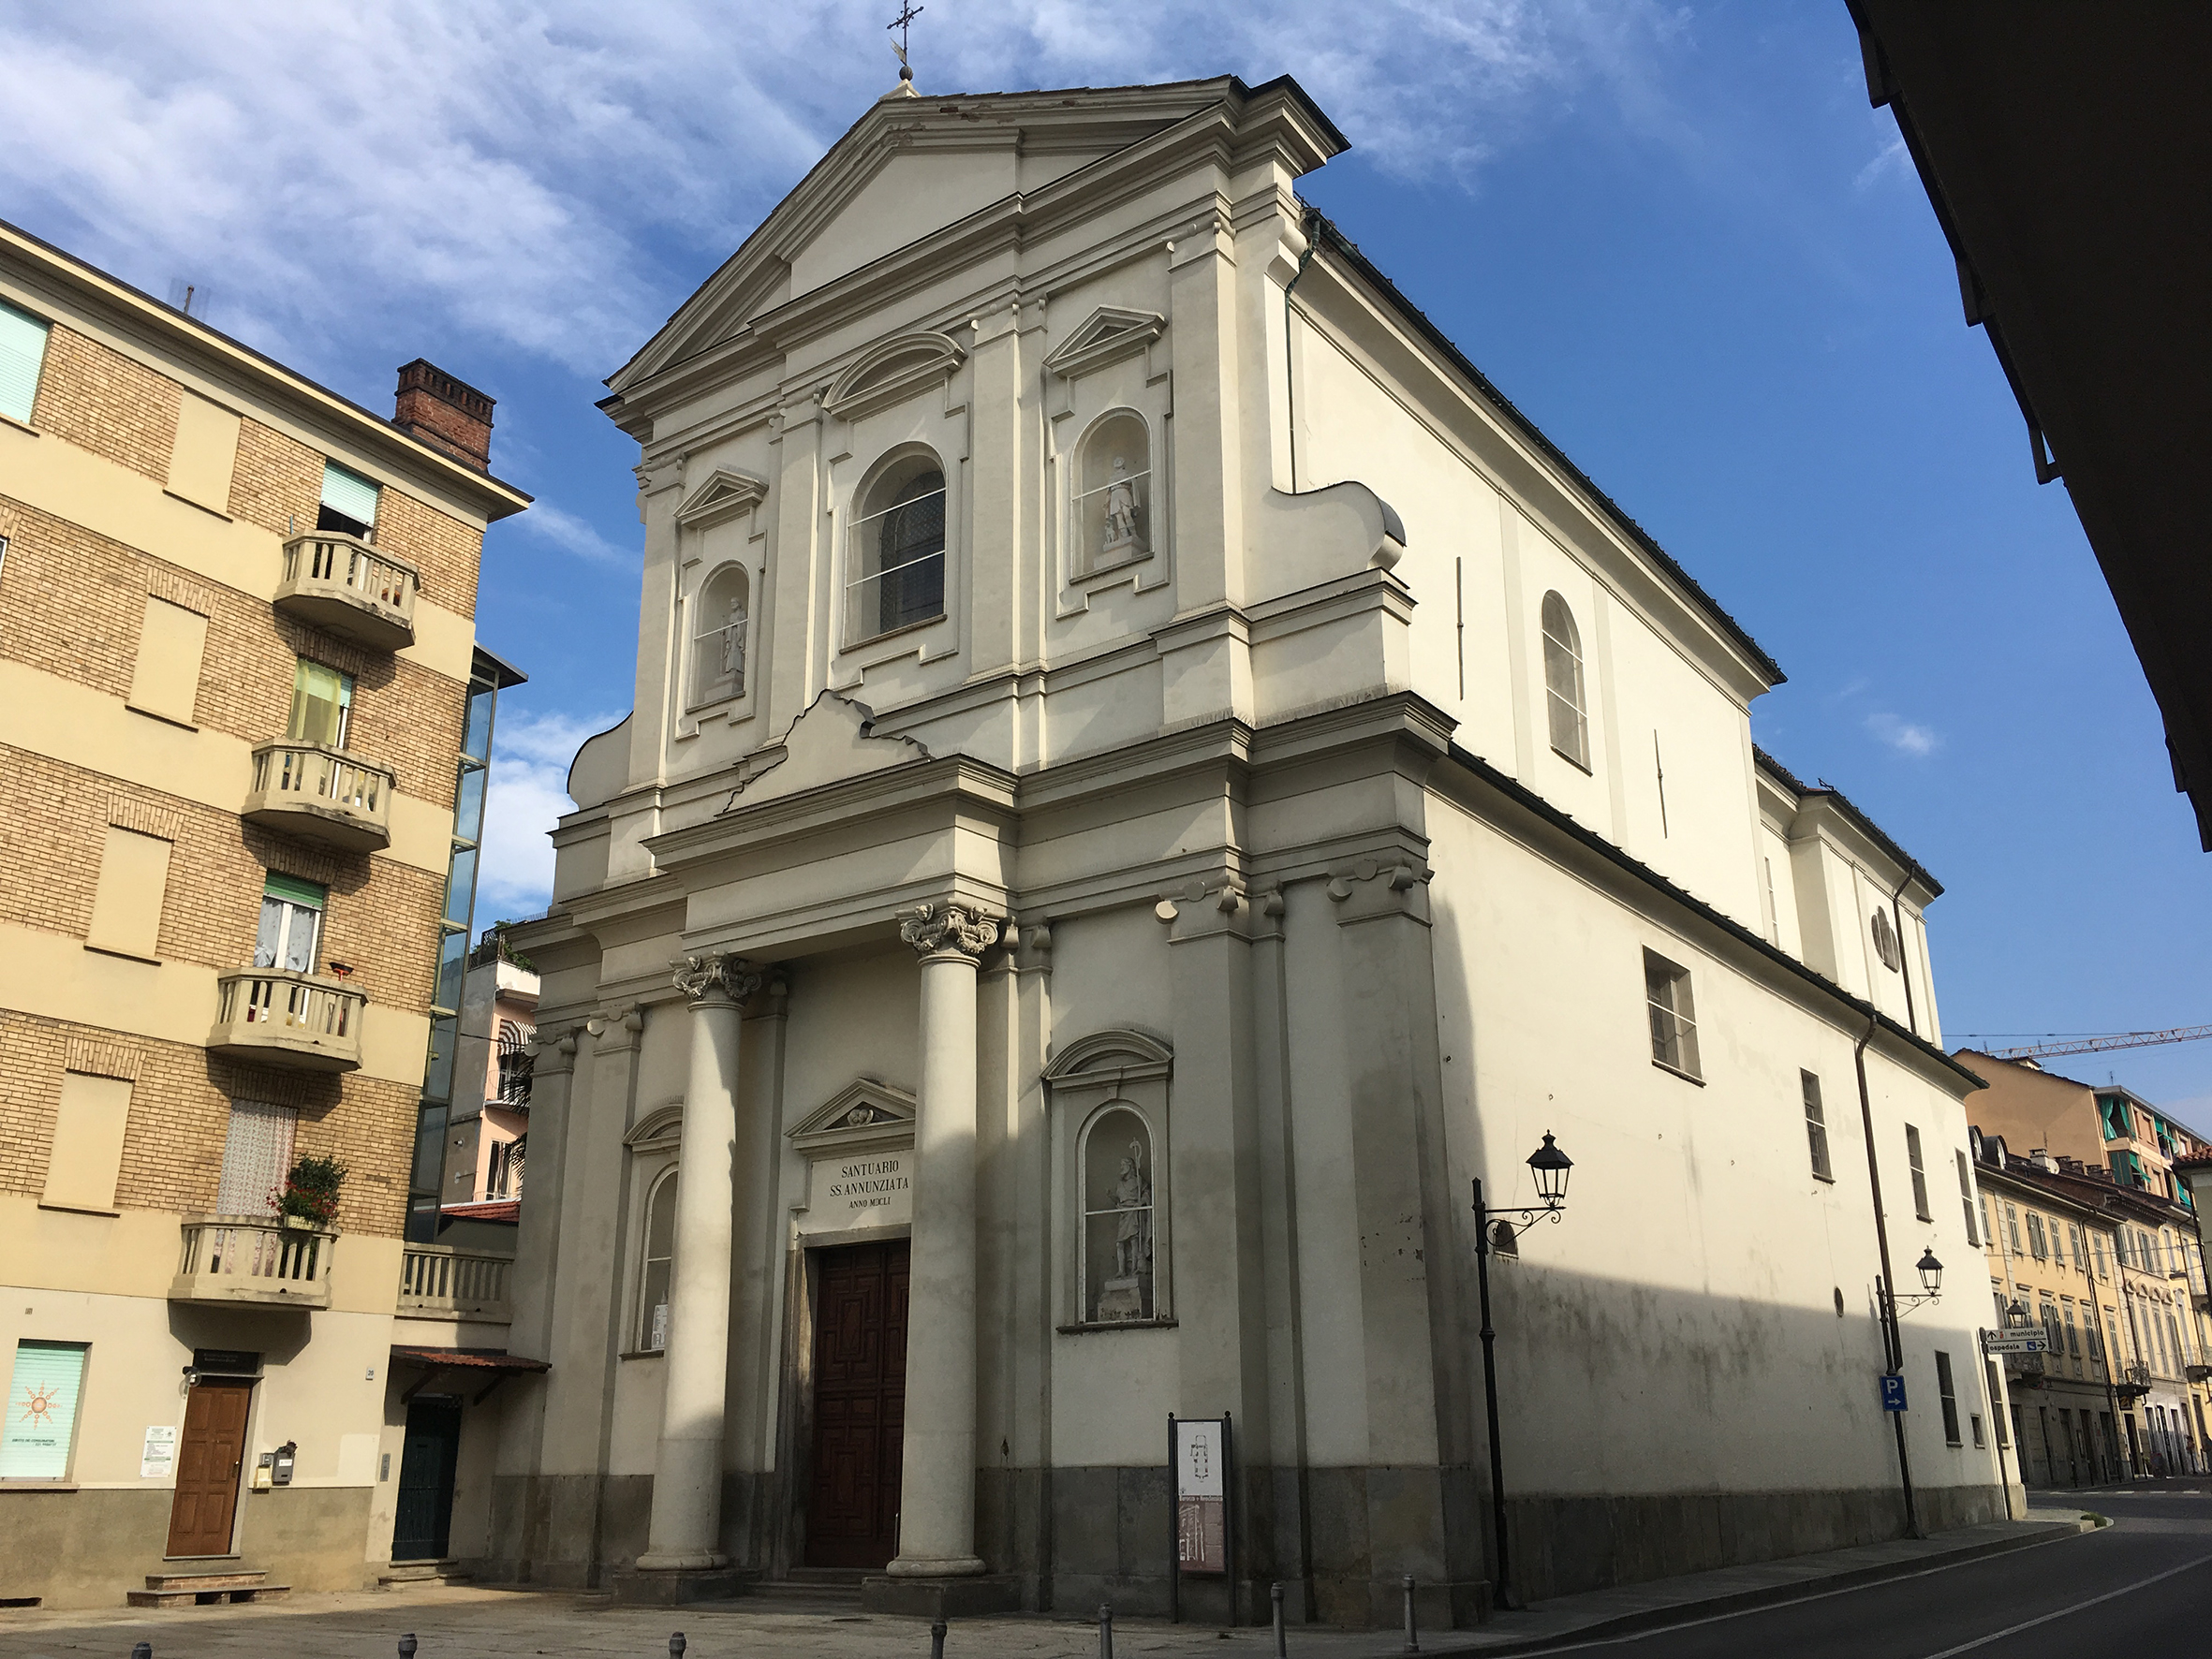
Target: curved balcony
[(296, 1021), (256, 1259), (343, 585), (321, 794)]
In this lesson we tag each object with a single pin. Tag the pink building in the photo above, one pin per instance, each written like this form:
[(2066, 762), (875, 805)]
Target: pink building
[(486, 1136)]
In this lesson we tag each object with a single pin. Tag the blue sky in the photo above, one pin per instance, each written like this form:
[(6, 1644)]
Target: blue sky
[(1675, 235)]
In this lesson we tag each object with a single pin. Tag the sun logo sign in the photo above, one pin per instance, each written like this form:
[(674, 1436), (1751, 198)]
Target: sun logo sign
[(38, 1404)]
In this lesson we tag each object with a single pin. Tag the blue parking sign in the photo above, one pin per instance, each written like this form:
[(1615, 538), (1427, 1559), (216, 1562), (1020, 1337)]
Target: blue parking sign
[(1892, 1392)]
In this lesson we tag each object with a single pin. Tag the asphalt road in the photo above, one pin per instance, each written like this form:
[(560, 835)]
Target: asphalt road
[(2140, 1588)]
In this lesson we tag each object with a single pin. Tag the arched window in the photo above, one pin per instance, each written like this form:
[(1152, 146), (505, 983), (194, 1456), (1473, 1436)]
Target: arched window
[(1562, 681), (1113, 494), (660, 1253), (1116, 1172), (898, 550), (718, 637)]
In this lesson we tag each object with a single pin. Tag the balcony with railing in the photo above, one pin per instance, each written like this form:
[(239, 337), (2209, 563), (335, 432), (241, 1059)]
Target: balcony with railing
[(278, 1017), (322, 794), (446, 1281), (345, 586), (2134, 1379), (256, 1260)]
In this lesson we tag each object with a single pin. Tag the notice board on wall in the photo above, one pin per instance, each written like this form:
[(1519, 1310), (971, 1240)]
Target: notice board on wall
[(1201, 1449)]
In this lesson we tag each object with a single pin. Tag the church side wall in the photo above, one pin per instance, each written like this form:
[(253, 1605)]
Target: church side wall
[(1687, 1359)]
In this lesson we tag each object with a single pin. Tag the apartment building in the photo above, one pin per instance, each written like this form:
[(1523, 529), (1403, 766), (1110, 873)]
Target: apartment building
[(2100, 1125), (489, 1137), (244, 723)]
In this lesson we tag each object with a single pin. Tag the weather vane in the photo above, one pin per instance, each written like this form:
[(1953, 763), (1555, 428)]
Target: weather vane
[(909, 11)]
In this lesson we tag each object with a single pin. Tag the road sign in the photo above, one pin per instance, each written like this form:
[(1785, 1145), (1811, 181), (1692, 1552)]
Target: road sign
[(1892, 1392), (2015, 1341)]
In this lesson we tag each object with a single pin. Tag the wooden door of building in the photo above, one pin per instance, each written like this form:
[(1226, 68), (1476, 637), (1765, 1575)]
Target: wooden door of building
[(860, 1404), (210, 1455)]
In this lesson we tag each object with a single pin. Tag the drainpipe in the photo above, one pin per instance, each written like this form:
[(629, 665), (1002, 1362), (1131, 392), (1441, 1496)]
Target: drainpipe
[(1893, 1339), (1311, 225)]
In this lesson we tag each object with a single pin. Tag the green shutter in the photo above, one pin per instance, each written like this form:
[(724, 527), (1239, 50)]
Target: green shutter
[(42, 1411), (349, 492), (311, 893), (23, 350)]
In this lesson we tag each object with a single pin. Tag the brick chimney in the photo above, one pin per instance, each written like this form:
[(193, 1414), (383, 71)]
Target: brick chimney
[(445, 413)]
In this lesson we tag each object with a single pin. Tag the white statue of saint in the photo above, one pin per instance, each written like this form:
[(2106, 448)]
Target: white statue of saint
[(1121, 510), (1132, 1241)]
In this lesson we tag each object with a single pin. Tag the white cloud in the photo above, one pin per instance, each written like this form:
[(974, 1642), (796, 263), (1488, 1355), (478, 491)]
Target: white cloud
[(571, 534), (555, 176), (1905, 736), (530, 756), (1892, 158)]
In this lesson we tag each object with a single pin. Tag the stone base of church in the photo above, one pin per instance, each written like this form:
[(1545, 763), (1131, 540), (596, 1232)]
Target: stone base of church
[(942, 1599), (680, 1587)]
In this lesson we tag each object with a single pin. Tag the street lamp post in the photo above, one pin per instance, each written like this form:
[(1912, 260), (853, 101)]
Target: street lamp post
[(1550, 1166), (1892, 1304)]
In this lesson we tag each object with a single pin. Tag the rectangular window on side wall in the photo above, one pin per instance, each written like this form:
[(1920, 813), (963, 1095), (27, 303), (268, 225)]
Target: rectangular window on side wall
[(1815, 1125), (1997, 1410), (2013, 1226), (2036, 1246), (1949, 1395), (40, 1431), (348, 501), (1920, 1174), (22, 354), (256, 1157), (1965, 1198), (1673, 1015), (87, 1155)]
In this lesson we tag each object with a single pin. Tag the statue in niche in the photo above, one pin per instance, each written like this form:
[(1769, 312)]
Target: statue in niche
[(1121, 514), (1128, 1295)]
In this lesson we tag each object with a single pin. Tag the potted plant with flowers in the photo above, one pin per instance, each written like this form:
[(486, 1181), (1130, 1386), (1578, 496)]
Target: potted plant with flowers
[(310, 1196)]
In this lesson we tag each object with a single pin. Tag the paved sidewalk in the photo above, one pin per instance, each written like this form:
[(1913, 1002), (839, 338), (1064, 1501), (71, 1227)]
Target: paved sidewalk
[(466, 1621)]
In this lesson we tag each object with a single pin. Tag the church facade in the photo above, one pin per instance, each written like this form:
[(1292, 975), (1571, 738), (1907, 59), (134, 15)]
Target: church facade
[(1148, 778)]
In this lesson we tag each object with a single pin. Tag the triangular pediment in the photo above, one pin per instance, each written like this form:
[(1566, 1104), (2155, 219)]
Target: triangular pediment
[(725, 494), (867, 1112), (1109, 335), (911, 167), (832, 740)]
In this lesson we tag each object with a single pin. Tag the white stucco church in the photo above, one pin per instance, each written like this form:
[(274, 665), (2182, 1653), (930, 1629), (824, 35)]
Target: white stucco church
[(1148, 777)]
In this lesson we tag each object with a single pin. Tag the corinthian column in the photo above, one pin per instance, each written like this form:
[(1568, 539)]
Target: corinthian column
[(687, 1474), (938, 1465)]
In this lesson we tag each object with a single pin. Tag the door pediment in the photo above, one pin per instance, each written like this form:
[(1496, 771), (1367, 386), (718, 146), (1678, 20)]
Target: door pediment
[(866, 1115)]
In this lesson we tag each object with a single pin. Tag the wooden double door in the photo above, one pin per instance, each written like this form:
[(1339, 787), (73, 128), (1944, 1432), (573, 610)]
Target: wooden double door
[(860, 1404), (210, 1457)]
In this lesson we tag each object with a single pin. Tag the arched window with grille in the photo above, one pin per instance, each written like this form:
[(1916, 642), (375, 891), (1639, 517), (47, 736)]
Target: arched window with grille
[(897, 549), (718, 637), (1563, 683)]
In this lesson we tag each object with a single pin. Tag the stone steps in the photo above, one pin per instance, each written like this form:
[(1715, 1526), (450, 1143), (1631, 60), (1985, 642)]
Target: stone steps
[(423, 1572), (205, 1590)]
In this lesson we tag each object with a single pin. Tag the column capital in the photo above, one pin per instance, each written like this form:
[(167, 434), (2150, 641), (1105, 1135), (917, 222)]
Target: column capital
[(944, 928), (719, 978)]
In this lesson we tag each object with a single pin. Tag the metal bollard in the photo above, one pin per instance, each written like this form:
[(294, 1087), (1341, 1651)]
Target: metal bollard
[(1105, 1632), (142, 1650), (407, 1646), (1412, 1634), (936, 1639), (1275, 1594), (676, 1646)]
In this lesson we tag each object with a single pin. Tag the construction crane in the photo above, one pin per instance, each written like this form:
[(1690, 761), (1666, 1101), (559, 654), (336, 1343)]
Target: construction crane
[(2098, 1045)]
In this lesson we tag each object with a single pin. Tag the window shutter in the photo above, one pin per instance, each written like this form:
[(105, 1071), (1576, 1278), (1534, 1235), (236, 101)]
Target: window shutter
[(42, 1411), (349, 492), (22, 351), (310, 893)]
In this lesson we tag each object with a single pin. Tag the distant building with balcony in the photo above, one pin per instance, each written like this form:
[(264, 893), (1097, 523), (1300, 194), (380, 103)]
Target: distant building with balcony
[(245, 725), (487, 1140), (2103, 1125)]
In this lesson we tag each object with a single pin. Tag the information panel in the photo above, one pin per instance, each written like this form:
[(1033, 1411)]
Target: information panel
[(1201, 1496)]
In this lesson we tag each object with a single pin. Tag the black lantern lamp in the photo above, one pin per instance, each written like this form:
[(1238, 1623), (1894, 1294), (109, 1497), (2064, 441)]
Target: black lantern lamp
[(1551, 1167), (1931, 1272)]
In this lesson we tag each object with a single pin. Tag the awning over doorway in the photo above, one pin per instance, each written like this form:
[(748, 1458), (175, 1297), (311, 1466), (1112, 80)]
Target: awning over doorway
[(492, 1366)]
